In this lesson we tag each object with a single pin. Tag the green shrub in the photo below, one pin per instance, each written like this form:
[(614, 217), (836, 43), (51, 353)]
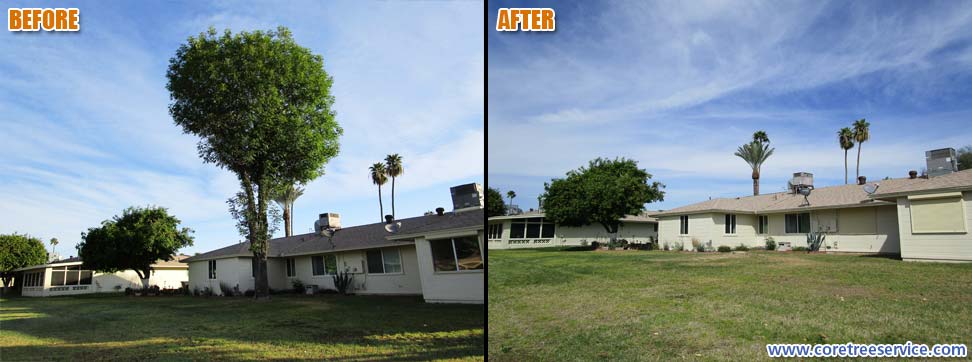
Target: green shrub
[(724, 248), (342, 281), (770, 243), (678, 246), (298, 286), (742, 247), (800, 248)]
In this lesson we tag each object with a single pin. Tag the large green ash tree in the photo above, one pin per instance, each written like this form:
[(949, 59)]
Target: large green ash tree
[(603, 192), (262, 107)]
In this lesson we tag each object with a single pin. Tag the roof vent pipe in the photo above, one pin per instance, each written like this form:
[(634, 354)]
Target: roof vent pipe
[(440, 211), (912, 174), (861, 180)]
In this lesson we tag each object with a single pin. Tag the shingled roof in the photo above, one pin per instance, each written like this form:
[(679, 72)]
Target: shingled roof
[(956, 181), (354, 237), (821, 198), (647, 216)]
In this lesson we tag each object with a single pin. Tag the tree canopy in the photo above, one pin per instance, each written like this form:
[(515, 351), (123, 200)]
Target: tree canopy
[(964, 157), (135, 240), (262, 107), (18, 251), (494, 203), (603, 192)]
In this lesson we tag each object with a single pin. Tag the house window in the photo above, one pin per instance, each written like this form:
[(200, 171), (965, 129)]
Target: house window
[(212, 269), (70, 275), (942, 213), (532, 228), (730, 224), (798, 223), (324, 264), (495, 231), (33, 279), (763, 224), (381, 261), (457, 254), (291, 267), (683, 224)]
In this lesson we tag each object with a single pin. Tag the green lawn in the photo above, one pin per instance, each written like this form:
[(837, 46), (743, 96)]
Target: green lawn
[(358, 328), (656, 305)]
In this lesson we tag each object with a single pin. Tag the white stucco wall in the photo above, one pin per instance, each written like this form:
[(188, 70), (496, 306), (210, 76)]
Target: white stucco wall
[(634, 232), (407, 282), (107, 282), (934, 246), (449, 287)]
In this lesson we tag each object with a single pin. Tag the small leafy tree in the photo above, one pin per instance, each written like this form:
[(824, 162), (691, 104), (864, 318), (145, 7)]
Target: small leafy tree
[(964, 157), (602, 193), (262, 107), (494, 203), (135, 240), (18, 251)]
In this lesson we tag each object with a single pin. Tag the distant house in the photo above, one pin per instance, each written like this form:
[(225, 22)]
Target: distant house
[(532, 230), (438, 256), (67, 277), (920, 218)]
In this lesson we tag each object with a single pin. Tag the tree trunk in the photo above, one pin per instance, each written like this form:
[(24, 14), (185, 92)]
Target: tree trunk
[(859, 159), (144, 276), (393, 197), (381, 208), (286, 217), (845, 166), (260, 236), (755, 182)]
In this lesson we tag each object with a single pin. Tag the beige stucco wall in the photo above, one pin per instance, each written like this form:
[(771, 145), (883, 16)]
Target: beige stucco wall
[(935, 246), (874, 230), (634, 232), (449, 287)]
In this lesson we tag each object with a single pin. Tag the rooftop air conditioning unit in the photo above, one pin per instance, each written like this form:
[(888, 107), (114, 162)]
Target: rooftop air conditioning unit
[(801, 180), (941, 161)]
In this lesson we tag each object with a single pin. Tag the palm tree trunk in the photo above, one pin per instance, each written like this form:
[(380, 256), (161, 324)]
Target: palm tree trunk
[(286, 217), (859, 159), (393, 197), (755, 182), (381, 208), (291, 218), (845, 166)]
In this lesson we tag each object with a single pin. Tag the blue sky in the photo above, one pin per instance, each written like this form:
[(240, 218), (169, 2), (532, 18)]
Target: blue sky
[(85, 130), (678, 86)]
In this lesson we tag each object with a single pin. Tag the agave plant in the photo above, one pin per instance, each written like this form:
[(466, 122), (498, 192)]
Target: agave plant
[(815, 240)]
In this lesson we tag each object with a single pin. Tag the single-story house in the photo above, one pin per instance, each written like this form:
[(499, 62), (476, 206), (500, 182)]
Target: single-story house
[(920, 218), (438, 256), (68, 277), (531, 230)]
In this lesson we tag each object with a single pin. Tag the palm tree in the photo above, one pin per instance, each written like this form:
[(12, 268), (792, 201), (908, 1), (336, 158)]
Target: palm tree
[(378, 177), (846, 139), (511, 194), (54, 243), (861, 135), (761, 137), (285, 197), (754, 153), (393, 168)]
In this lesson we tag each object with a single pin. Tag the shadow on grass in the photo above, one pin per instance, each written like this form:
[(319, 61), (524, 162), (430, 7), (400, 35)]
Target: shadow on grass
[(882, 256), (198, 328)]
